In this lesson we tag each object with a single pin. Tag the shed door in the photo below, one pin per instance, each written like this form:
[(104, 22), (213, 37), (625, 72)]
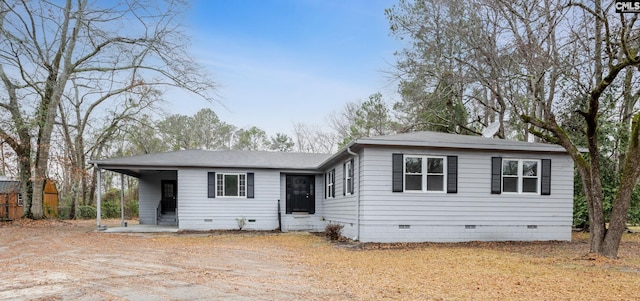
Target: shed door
[(300, 194), (4, 206), (169, 193)]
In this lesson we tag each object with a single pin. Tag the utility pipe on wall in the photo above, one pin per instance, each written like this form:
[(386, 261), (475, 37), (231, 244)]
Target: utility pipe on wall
[(357, 192)]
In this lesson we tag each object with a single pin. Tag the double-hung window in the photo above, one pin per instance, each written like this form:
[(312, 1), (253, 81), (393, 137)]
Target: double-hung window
[(347, 178), (424, 173), (231, 185), (520, 176), (330, 180)]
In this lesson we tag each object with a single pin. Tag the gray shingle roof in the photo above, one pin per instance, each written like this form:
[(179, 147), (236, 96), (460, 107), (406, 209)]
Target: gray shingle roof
[(434, 139), (9, 187), (225, 158), (443, 140), (307, 161)]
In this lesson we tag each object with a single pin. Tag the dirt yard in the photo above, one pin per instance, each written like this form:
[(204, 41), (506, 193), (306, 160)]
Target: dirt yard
[(54, 260)]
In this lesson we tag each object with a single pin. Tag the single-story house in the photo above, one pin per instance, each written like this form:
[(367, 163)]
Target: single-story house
[(412, 187)]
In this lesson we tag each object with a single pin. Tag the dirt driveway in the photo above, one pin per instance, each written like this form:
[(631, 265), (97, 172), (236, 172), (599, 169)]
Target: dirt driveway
[(53, 260), (67, 261)]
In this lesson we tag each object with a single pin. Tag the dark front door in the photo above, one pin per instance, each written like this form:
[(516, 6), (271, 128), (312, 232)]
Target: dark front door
[(301, 194), (169, 193)]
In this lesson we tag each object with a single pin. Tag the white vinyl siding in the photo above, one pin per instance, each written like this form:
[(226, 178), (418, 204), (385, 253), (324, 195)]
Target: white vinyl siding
[(342, 209), (443, 217), (149, 194), (198, 212)]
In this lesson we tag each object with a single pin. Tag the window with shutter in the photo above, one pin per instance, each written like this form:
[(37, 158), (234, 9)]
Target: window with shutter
[(424, 173), (232, 185), (522, 176), (348, 178), (329, 180)]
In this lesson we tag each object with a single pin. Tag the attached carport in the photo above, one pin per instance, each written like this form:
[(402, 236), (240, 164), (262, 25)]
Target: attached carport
[(124, 166)]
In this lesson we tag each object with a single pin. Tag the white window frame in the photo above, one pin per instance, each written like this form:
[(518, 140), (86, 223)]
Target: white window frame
[(348, 170), (520, 176), (424, 173), (220, 185), (331, 182)]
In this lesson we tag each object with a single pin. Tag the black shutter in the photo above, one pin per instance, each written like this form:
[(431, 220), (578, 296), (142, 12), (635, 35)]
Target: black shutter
[(250, 185), (496, 175), (396, 171), (452, 174), (326, 192), (288, 198), (333, 180), (344, 178), (546, 177), (352, 174), (211, 185)]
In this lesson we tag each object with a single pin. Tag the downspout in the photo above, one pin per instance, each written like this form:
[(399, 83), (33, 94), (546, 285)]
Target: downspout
[(279, 217), (357, 192)]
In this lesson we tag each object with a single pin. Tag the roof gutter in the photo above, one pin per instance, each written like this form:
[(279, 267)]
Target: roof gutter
[(357, 191), (338, 154)]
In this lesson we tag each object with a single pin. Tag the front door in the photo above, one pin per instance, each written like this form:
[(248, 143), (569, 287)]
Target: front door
[(301, 194), (169, 193)]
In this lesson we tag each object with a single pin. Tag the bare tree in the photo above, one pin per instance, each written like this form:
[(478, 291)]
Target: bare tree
[(615, 49), (311, 139), (342, 121), (44, 46), (84, 133)]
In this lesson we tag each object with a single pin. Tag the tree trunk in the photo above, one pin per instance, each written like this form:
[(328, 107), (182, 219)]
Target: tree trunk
[(628, 180), (40, 174), (25, 180)]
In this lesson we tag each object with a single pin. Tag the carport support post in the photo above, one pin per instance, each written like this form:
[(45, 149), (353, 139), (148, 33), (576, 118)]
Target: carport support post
[(99, 197), (121, 200)]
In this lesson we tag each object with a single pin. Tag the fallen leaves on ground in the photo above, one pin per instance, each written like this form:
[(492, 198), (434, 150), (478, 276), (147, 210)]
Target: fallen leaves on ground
[(268, 266)]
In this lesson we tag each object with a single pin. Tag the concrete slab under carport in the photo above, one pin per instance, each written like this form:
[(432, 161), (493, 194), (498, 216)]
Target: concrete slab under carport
[(142, 229)]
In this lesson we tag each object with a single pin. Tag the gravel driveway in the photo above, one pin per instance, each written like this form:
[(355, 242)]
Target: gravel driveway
[(68, 261), (54, 260)]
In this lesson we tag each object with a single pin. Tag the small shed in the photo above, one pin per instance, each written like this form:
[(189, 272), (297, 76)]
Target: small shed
[(10, 200), (50, 199)]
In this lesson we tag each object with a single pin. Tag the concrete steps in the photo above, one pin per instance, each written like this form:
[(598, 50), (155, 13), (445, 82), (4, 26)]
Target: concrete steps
[(168, 219)]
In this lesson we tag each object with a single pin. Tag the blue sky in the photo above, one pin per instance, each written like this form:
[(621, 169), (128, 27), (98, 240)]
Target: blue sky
[(280, 62)]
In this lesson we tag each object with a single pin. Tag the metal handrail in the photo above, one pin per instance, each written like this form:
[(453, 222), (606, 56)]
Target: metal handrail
[(158, 212)]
